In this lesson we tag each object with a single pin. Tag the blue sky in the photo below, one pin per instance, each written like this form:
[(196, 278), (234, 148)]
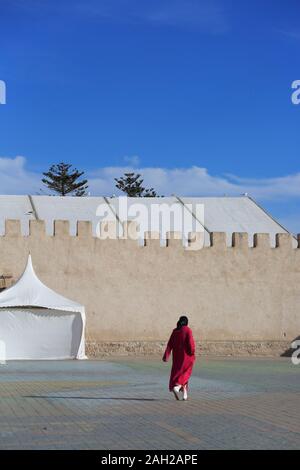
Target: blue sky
[(194, 94)]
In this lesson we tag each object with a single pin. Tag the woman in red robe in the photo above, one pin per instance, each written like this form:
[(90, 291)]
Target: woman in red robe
[(182, 345)]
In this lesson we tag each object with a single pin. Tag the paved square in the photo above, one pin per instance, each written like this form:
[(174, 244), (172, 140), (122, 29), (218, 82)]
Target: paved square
[(125, 404)]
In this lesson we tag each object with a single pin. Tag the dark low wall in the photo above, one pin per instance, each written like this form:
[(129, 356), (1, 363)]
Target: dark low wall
[(205, 348)]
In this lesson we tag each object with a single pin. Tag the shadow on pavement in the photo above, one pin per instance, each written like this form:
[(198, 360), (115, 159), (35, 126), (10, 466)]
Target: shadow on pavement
[(94, 398)]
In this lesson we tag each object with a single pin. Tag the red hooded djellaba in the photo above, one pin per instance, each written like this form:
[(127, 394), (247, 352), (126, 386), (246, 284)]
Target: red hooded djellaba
[(182, 346)]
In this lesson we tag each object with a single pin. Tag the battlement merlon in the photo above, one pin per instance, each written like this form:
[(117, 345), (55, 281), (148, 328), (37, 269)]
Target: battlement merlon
[(130, 230)]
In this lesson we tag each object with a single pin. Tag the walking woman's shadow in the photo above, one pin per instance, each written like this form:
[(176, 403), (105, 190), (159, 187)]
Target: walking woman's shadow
[(92, 398)]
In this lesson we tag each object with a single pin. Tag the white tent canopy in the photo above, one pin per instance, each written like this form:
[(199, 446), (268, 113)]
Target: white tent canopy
[(38, 323)]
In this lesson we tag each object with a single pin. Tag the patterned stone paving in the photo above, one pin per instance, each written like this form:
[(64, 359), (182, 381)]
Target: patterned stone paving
[(124, 403)]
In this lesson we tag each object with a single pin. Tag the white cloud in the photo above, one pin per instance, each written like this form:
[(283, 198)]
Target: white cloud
[(15, 178), (196, 181)]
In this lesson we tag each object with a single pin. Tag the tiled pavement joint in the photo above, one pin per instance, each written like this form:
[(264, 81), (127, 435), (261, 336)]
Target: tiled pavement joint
[(125, 404)]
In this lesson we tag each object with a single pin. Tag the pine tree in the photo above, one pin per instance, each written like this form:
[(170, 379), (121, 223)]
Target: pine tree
[(150, 193), (131, 184), (64, 181)]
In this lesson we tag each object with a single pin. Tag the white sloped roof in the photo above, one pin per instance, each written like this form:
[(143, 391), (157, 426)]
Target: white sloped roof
[(29, 291), (221, 214), (236, 214)]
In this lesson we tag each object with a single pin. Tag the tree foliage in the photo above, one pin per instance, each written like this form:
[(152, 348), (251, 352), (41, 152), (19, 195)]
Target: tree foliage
[(132, 185), (64, 180)]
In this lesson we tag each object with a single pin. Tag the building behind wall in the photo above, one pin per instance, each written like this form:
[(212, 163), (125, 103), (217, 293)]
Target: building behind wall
[(240, 291)]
